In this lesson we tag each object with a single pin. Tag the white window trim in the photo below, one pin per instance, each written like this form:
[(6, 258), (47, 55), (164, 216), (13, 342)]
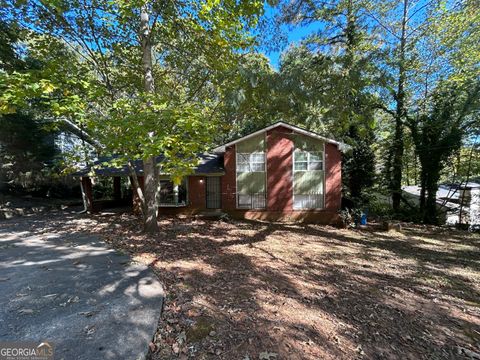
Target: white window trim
[(308, 160), (236, 179), (250, 158)]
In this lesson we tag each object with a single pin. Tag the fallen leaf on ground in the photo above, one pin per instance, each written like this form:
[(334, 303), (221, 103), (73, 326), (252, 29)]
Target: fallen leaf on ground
[(25, 311)]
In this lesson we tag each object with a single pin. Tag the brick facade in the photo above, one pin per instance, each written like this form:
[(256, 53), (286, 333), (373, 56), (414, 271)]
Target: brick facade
[(279, 184), (229, 183), (279, 170), (333, 177), (279, 167)]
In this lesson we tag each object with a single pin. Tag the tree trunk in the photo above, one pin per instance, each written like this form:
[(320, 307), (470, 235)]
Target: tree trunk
[(400, 113), (423, 188), (151, 225), (138, 190), (150, 186), (430, 216)]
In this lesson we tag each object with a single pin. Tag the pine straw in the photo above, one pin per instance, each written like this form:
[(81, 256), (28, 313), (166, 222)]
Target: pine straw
[(245, 290)]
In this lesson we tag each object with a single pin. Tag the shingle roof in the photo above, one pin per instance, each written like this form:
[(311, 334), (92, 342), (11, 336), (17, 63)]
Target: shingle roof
[(210, 164)]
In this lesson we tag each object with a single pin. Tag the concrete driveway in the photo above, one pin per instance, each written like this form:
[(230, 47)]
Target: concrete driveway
[(70, 289)]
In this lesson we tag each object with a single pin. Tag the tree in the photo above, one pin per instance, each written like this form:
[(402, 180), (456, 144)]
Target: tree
[(334, 76), (447, 111), (251, 99), (399, 22), (437, 134), (359, 166), (153, 75), (27, 149)]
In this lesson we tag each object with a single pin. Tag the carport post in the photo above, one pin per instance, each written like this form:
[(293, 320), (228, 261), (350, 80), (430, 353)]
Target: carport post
[(87, 194)]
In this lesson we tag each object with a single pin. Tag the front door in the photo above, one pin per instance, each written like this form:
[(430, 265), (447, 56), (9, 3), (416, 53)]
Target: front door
[(213, 192)]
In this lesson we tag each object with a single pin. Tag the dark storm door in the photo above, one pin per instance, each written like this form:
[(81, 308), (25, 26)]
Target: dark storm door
[(213, 192)]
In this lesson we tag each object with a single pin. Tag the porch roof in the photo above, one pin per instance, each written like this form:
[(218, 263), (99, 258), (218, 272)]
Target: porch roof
[(210, 165)]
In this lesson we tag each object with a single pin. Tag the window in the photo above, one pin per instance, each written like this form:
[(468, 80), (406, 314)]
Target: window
[(307, 160), (251, 180), (251, 201), (171, 195), (250, 162), (308, 201), (308, 179)]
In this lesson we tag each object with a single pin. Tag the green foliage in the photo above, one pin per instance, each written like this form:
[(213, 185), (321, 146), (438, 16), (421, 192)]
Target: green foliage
[(91, 73), (27, 153), (358, 167), (361, 79), (250, 101), (438, 133), (329, 81)]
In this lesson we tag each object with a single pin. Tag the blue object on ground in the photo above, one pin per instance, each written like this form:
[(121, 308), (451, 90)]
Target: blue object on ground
[(363, 219)]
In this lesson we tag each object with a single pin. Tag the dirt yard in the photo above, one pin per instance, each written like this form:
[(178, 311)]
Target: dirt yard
[(244, 290)]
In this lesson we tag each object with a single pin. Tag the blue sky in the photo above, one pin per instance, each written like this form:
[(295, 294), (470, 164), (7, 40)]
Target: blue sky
[(294, 35)]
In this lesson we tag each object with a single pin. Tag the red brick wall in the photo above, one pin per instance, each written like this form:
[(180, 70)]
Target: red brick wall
[(229, 183), (326, 217), (333, 177), (279, 170)]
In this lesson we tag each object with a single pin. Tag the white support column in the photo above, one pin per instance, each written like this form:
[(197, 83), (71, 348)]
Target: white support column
[(175, 194)]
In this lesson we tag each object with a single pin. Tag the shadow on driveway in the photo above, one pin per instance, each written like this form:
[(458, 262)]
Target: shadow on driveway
[(70, 289)]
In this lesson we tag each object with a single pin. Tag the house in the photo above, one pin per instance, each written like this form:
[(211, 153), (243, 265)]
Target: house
[(281, 172)]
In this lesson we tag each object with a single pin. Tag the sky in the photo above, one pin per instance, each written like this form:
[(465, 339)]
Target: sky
[(293, 36)]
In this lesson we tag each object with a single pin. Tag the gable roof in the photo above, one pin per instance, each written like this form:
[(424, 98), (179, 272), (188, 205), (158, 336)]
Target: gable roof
[(285, 125)]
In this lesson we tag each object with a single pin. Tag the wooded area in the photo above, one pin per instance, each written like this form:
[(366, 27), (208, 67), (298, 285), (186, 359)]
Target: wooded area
[(396, 80)]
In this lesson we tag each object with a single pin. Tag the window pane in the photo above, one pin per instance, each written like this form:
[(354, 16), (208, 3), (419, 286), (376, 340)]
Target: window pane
[(316, 166), (301, 166), (243, 158), (257, 167), (251, 162), (243, 167), (311, 201), (316, 156), (300, 156), (168, 196), (182, 193), (258, 201), (244, 201), (252, 201), (166, 192), (258, 158)]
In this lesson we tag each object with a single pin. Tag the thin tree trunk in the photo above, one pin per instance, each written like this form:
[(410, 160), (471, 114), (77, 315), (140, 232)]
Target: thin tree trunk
[(423, 185), (151, 181), (138, 190), (151, 225), (415, 163), (407, 173), (400, 113), (430, 216)]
